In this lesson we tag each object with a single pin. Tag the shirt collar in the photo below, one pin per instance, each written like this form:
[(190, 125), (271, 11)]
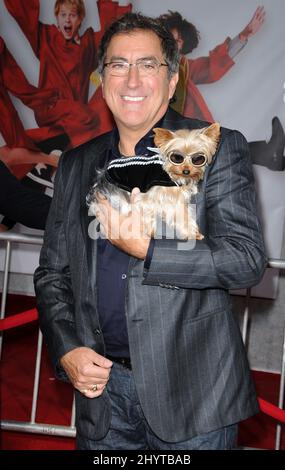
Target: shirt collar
[(141, 147)]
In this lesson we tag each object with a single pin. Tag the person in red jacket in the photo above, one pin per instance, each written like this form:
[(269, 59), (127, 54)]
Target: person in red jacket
[(192, 72), (21, 151), (67, 60)]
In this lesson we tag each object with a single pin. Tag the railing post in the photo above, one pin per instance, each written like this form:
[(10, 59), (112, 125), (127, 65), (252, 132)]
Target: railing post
[(37, 378), (281, 396), (5, 287)]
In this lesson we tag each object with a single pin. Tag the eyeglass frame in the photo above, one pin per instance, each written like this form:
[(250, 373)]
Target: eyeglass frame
[(136, 64), (189, 157)]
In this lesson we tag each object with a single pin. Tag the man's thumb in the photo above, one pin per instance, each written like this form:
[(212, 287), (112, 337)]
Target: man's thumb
[(101, 360), (134, 195)]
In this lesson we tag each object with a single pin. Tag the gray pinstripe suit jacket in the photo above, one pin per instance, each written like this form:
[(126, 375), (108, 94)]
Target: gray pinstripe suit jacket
[(189, 364)]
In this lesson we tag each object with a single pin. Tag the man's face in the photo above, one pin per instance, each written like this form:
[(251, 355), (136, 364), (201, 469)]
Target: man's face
[(137, 102), (68, 21)]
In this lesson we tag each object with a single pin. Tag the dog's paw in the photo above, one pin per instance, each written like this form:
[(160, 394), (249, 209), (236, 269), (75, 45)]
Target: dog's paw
[(199, 236)]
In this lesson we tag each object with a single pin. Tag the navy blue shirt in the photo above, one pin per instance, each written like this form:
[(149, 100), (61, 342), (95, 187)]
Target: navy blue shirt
[(112, 269)]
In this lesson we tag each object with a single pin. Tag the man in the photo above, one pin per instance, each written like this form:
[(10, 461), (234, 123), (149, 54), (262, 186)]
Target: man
[(177, 375)]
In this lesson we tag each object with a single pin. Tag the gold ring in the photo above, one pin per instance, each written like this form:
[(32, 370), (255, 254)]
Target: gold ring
[(94, 388)]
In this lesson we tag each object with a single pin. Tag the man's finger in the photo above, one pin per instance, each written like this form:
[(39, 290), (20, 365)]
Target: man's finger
[(101, 360)]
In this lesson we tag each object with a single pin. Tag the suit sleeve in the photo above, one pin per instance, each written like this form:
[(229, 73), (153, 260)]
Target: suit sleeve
[(231, 256), (53, 281)]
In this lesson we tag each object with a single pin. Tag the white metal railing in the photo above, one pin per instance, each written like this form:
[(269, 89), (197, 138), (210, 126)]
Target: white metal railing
[(70, 431)]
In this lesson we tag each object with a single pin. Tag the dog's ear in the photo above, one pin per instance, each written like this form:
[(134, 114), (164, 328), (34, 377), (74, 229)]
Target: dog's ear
[(213, 131), (162, 136)]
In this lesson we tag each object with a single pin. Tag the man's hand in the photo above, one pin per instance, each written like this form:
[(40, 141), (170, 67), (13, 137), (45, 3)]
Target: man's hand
[(124, 231), (254, 25), (87, 370)]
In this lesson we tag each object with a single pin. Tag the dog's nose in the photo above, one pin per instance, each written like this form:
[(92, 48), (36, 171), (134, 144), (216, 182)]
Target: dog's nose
[(186, 172)]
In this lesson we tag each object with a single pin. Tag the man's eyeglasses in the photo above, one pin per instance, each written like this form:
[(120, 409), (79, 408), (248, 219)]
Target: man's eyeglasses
[(145, 67), (197, 159)]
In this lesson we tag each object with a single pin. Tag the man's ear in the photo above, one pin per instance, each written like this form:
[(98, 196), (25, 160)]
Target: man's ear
[(172, 85), (102, 85), (180, 43)]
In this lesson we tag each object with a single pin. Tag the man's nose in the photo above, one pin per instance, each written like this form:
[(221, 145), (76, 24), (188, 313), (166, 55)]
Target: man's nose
[(133, 76)]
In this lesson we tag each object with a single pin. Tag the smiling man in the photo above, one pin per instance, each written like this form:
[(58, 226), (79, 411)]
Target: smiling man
[(142, 328), (138, 85)]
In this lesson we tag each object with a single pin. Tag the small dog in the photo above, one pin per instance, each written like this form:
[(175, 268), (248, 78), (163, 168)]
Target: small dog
[(166, 180)]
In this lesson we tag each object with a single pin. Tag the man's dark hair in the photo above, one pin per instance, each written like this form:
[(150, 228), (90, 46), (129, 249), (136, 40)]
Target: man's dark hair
[(131, 22), (186, 30)]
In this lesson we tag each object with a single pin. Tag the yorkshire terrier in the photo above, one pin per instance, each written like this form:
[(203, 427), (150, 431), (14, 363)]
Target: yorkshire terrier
[(167, 180)]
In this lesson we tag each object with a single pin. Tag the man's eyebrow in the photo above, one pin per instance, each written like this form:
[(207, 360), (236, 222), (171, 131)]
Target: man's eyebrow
[(115, 58), (149, 57)]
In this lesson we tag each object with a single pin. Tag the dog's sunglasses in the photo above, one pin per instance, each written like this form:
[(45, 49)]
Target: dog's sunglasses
[(197, 159)]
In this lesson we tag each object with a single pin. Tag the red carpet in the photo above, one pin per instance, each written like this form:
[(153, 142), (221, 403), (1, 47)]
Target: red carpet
[(55, 398)]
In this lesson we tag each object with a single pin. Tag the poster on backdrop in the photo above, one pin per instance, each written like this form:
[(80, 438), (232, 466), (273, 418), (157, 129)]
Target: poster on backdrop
[(226, 75), (228, 52)]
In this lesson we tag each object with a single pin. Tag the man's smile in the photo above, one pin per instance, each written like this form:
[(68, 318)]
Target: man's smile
[(133, 98)]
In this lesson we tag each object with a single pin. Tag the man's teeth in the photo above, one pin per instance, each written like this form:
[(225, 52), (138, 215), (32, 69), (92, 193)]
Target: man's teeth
[(133, 98)]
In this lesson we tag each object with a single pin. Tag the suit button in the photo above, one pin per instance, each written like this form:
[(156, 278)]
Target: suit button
[(97, 332)]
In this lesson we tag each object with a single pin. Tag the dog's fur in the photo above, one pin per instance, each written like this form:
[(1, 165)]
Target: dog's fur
[(169, 203)]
